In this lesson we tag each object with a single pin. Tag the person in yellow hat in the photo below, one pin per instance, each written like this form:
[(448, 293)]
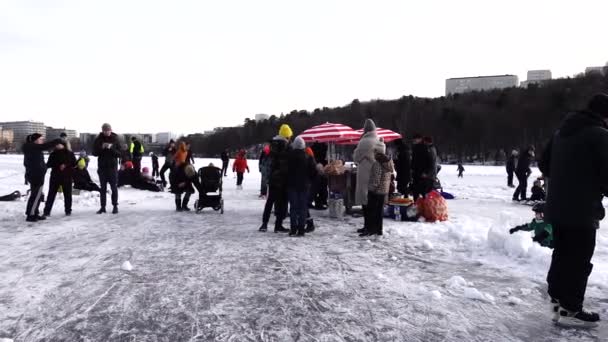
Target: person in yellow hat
[(277, 181)]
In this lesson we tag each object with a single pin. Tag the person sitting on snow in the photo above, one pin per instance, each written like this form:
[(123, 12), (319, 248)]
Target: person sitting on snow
[(538, 192), (543, 231), (82, 178)]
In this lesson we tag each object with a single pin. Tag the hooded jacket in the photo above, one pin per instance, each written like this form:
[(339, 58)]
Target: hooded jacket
[(62, 157), (576, 160), (279, 153), (33, 160), (107, 158), (240, 164)]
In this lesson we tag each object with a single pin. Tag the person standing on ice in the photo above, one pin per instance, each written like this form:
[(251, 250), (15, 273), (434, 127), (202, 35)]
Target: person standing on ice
[(403, 166), (225, 161), (277, 183), (155, 171), (364, 157), (378, 190), (460, 170), (523, 172), (107, 149), (240, 166), (35, 170), (420, 162), (169, 153), (302, 171), (264, 166), (576, 161), (429, 175), (511, 164), (136, 150), (62, 163)]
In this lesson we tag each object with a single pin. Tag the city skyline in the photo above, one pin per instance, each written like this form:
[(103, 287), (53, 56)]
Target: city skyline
[(193, 66)]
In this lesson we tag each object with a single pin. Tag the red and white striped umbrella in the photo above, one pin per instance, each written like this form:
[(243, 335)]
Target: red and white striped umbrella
[(386, 134), (329, 132)]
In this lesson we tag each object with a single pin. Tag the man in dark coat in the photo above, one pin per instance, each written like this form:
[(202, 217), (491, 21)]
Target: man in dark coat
[(523, 172), (403, 166), (420, 165), (511, 165), (225, 160), (576, 161), (168, 153), (107, 150), (35, 170), (62, 163), (302, 171)]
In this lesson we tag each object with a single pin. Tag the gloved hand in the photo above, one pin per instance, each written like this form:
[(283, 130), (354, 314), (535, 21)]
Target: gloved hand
[(513, 230)]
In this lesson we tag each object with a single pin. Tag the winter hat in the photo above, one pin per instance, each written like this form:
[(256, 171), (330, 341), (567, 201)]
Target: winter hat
[(145, 170), (63, 135), (189, 171), (266, 149), (369, 126), (128, 165), (106, 127), (133, 138), (34, 137), (599, 104), (285, 131), (309, 152), (82, 154), (81, 164), (298, 143)]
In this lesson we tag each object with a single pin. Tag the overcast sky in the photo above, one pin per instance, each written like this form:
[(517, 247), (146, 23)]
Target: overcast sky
[(186, 66)]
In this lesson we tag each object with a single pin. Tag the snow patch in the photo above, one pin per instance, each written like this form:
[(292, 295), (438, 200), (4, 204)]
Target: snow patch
[(436, 295), (457, 282), (473, 293), (6, 340), (514, 300), (126, 266), (427, 245)]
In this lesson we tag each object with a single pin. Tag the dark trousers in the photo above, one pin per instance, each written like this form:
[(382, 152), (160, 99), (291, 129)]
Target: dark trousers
[(421, 187), (264, 185), (108, 177), (155, 172), (66, 186), (403, 186), (239, 178), (277, 197), (319, 192), (298, 203), (374, 211), (510, 178), (460, 174), (224, 168), (522, 187), (137, 164), (166, 166), (33, 203), (571, 265)]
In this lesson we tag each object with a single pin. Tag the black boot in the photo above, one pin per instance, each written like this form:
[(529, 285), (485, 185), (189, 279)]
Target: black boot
[(310, 226), (178, 203), (185, 203), (301, 231), (115, 210), (263, 227), (31, 218), (293, 231), (278, 228), (102, 210)]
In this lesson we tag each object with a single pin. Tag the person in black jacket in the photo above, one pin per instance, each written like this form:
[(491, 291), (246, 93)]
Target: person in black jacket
[(182, 179), (225, 160), (82, 178), (302, 171), (511, 164), (576, 163), (35, 170), (107, 149), (420, 165), (155, 172), (403, 166), (62, 163), (523, 172), (277, 182), (168, 153)]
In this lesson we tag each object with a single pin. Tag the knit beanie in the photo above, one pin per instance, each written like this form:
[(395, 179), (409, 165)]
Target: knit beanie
[(369, 126), (106, 127), (285, 131), (298, 143), (599, 104)]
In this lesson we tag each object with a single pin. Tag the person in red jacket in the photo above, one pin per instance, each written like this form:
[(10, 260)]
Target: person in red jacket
[(239, 166)]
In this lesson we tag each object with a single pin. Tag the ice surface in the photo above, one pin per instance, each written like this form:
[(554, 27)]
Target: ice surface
[(212, 277)]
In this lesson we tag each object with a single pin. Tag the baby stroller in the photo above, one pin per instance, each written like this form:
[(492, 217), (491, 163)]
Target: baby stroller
[(210, 191)]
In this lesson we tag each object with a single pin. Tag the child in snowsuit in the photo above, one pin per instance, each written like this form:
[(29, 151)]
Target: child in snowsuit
[(378, 189), (239, 166), (62, 163), (155, 172), (460, 170), (82, 178), (538, 192), (543, 231)]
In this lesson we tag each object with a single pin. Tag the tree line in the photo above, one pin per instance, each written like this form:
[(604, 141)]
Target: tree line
[(480, 125)]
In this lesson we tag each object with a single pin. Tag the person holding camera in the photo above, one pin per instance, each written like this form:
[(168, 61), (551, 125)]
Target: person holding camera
[(107, 149)]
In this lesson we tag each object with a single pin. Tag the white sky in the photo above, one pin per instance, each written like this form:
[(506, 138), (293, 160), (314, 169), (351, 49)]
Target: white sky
[(189, 66)]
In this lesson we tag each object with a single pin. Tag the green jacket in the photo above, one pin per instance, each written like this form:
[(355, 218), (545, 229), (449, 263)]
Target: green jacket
[(543, 232)]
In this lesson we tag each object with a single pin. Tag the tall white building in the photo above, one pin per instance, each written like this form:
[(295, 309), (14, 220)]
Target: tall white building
[(466, 84), (21, 129), (536, 77)]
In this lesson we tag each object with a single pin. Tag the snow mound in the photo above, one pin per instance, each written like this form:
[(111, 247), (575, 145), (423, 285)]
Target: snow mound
[(514, 301), (473, 293), (436, 295), (517, 245), (457, 282), (6, 340), (126, 266), (427, 245)]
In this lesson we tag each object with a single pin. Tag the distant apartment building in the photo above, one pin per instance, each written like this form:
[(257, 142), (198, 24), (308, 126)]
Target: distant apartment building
[(261, 117), (164, 137), (21, 129), (466, 84), (54, 133), (536, 77)]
